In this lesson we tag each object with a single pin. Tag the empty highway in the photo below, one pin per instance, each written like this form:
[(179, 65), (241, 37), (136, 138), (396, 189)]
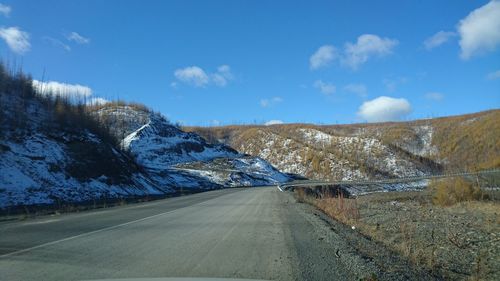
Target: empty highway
[(256, 233)]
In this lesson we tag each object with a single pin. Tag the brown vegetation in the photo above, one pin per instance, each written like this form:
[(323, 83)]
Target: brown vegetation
[(470, 141), (25, 106), (331, 200), (457, 242), (24, 112), (466, 142), (449, 191)]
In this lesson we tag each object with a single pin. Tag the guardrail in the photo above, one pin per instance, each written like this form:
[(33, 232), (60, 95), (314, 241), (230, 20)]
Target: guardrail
[(208, 169), (386, 181)]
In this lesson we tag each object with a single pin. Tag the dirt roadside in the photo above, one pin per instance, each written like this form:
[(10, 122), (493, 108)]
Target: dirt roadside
[(346, 249), (459, 242)]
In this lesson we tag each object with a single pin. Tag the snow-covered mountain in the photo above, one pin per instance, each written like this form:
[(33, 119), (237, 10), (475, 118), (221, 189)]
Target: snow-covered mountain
[(53, 151), (173, 157), (48, 158)]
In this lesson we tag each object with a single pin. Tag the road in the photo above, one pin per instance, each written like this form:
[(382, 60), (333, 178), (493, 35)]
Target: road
[(252, 233)]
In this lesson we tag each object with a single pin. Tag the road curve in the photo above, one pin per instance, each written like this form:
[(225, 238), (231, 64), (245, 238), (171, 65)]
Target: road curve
[(254, 233)]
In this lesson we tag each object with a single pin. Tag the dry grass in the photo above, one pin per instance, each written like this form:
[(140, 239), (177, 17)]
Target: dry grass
[(453, 242), (333, 203), (340, 208), (456, 242), (447, 192)]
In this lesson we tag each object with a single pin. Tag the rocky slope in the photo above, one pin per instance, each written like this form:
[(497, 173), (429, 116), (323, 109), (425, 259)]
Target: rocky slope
[(47, 158), (370, 151), (173, 157)]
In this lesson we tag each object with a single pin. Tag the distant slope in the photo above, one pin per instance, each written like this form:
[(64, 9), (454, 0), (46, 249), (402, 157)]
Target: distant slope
[(365, 151)]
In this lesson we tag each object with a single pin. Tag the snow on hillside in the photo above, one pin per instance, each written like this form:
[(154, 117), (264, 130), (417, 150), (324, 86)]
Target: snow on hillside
[(319, 155), (157, 145), (241, 171), (44, 160), (160, 147), (46, 165), (424, 146), (124, 119), (360, 189), (35, 170), (315, 136)]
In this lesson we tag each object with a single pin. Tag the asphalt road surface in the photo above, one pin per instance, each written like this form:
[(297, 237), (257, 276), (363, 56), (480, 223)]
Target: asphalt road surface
[(255, 233)]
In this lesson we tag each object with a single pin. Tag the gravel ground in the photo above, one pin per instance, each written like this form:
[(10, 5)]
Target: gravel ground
[(359, 254), (461, 242)]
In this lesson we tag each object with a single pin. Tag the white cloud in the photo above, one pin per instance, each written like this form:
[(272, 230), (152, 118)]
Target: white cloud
[(438, 39), (480, 30), (193, 75), (77, 38), (16, 39), (435, 96), (5, 10), (273, 122), (224, 69), (219, 80), (270, 102), (97, 101), (197, 77), (57, 43), (353, 55), (324, 56), (358, 89), (384, 109), (74, 92), (367, 45), (493, 75), (324, 87), (222, 76)]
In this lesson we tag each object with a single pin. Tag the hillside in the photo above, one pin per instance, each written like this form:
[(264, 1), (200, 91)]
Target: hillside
[(368, 151), (56, 151), (176, 158), (52, 152)]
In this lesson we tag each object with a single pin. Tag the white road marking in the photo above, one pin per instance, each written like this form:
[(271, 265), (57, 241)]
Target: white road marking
[(104, 229), (83, 234), (41, 222)]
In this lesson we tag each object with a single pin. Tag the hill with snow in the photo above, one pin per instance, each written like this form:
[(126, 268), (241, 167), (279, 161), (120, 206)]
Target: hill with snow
[(173, 157), (53, 151), (50, 155), (370, 151)]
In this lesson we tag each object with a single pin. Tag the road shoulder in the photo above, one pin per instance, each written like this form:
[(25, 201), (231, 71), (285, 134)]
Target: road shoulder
[(341, 252)]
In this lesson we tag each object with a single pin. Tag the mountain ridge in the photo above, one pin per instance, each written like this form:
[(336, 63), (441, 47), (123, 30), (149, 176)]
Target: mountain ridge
[(463, 142)]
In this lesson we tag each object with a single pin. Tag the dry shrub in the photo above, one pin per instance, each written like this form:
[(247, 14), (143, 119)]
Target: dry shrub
[(300, 194), (340, 208), (447, 192), (334, 204)]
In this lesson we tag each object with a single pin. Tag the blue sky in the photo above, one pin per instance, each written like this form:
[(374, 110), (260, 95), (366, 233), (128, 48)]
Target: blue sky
[(224, 62)]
